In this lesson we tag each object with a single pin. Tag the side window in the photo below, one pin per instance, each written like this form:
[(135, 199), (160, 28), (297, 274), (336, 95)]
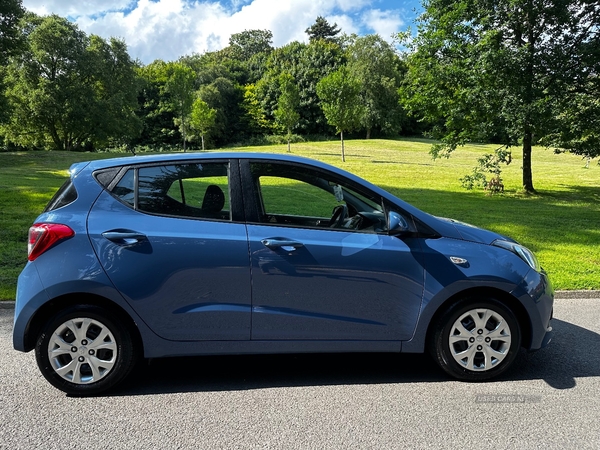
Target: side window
[(293, 195), (64, 196), (193, 191), (186, 190), (125, 189), (296, 198)]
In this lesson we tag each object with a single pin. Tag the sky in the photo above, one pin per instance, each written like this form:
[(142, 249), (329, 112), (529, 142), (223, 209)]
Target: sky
[(168, 29)]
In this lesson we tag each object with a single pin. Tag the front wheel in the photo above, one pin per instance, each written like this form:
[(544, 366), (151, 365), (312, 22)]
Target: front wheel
[(82, 351), (476, 339)]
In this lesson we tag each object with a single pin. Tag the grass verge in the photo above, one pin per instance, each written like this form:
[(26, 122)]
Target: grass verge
[(561, 224)]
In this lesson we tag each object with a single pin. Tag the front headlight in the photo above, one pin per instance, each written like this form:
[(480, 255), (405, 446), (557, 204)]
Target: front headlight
[(523, 252)]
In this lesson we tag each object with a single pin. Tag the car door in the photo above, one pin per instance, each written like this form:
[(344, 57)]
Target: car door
[(171, 240), (317, 278)]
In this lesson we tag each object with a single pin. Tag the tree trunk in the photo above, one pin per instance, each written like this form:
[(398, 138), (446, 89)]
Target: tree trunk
[(289, 134), (55, 137), (343, 154), (202, 142), (183, 132), (368, 133), (531, 49), (527, 174)]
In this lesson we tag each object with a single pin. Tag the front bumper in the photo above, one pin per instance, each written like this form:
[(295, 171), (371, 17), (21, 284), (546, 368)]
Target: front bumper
[(537, 295)]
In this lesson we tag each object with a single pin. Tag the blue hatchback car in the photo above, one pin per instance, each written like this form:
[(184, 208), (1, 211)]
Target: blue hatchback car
[(233, 253)]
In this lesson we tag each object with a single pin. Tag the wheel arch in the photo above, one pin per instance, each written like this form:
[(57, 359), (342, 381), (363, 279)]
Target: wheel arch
[(497, 294), (52, 307)]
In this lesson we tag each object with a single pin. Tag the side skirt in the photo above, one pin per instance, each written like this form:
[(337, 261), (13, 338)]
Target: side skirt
[(268, 347)]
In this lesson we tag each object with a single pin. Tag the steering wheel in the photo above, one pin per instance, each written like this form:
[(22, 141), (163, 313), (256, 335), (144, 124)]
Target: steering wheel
[(338, 216)]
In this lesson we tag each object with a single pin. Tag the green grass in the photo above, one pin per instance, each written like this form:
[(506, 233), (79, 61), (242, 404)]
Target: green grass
[(561, 224)]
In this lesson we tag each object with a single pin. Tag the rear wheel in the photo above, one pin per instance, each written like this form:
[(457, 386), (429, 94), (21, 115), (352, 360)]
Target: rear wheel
[(82, 351), (476, 339)]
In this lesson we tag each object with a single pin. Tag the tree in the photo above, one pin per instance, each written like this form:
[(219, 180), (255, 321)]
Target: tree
[(256, 120), (180, 87), (220, 64), (202, 118), (339, 93), (250, 49), (307, 64), (375, 63), (154, 110), (116, 86), (226, 97), (11, 41), (513, 66), (250, 43), (287, 105), (11, 12), (322, 29), (69, 91), (579, 129)]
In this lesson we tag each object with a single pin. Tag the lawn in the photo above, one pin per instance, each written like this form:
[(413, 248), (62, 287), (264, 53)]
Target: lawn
[(561, 224)]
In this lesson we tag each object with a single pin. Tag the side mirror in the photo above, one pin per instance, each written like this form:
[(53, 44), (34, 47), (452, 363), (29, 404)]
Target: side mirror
[(396, 223)]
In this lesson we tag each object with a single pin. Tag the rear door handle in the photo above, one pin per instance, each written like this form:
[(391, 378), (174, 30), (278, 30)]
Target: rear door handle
[(124, 237), (288, 245)]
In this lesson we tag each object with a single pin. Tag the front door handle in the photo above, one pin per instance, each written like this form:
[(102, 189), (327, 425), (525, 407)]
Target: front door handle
[(288, 245), (124, 237)]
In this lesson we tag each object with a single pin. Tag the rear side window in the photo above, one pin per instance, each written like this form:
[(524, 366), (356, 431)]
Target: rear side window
[(65, 195), (185, 190), (125, 189)]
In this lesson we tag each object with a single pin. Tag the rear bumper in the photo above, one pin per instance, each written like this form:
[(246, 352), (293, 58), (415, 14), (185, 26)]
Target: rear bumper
[(30, 294)]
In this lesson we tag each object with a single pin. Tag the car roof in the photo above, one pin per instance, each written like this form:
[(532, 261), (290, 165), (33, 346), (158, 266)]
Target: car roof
[(207, 156), (191, 156), (100, 164)]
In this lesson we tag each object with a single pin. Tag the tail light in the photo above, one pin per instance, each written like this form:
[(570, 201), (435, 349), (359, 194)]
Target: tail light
[(42, 236)]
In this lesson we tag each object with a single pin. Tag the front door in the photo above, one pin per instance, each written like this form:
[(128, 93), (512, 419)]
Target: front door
[(315, 276)]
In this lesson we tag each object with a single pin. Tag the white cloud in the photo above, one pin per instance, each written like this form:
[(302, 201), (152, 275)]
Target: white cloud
[(345, 23), (384, 23), (164, 29), (68, 8), (353, 5), (168, 29)]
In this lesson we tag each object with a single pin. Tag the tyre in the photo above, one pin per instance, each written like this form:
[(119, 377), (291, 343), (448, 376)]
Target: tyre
[(82, 351), (476, 339)]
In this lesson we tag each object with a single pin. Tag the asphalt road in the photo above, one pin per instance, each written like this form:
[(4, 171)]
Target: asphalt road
[(550, 400)]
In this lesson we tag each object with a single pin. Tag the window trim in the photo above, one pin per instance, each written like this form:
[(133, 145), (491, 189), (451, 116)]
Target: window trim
[(236, 205), (255, 207)]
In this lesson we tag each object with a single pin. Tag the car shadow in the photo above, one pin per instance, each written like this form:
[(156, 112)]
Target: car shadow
[(572, 354)]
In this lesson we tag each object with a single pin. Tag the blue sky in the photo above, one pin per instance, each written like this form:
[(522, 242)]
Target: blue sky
[(168, 29)]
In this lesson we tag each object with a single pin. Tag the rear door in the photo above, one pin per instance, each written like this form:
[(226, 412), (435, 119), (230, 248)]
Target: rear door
[(171, 238)]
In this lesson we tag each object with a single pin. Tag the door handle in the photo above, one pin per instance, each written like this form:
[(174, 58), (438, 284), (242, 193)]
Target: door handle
[(124, 237), (286, 244)]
